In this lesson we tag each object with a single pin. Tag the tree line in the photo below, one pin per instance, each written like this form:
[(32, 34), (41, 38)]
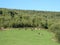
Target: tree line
[(14, 18)]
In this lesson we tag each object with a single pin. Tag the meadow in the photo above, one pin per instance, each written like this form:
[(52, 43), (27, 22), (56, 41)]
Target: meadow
[(26, 37)]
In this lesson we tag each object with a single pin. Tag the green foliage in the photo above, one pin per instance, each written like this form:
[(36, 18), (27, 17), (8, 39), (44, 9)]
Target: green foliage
[(27, 18), (55, 28), (57, 35)]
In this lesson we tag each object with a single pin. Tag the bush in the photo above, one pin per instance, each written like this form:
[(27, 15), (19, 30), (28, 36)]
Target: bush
[(57, 36), (55, 28)]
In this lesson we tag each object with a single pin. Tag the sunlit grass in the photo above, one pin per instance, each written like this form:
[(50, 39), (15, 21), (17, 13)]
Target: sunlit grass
[(26, 37)]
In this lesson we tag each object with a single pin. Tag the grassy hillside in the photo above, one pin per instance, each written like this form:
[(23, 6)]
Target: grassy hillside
[(26, 37), (27, 18)]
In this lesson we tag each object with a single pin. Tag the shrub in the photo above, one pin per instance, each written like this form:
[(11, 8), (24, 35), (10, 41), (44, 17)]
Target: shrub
[(57, 36), (55, 28)]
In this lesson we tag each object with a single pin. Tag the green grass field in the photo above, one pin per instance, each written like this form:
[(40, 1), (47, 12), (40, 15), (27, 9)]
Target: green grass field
[(26, 37)]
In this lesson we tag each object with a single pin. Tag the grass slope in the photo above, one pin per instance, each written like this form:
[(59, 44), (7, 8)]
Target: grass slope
[(26, 37)]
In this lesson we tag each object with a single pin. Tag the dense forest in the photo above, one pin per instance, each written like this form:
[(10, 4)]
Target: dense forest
[(14, 18)]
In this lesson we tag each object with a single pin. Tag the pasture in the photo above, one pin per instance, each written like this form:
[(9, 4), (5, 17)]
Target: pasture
[(26, 37)]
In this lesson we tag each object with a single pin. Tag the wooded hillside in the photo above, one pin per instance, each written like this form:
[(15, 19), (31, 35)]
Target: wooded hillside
[(14, 18)]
